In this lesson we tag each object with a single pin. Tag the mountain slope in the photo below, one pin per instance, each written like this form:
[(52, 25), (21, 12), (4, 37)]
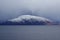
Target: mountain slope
[(29, 20)]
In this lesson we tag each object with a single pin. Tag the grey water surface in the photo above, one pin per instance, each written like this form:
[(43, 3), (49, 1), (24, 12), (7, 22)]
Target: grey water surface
[(30, 32)]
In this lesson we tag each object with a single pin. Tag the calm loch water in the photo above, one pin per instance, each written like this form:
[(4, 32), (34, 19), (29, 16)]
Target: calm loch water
[(30, 32)]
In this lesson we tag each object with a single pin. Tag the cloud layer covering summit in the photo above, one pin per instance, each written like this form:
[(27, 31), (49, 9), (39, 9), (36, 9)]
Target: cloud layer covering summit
[(13, 8)]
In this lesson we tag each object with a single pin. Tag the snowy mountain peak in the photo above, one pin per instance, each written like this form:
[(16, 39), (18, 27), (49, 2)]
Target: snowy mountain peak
[(29, 18)]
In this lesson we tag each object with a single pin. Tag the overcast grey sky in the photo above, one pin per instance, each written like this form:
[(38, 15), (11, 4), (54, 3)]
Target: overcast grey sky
[(13, 8)]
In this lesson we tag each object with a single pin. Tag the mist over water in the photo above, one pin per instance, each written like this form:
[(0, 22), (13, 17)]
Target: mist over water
[(30, 32), (46, 8)]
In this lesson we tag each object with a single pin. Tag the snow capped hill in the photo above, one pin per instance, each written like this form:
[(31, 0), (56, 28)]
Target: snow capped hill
[(29, 19)]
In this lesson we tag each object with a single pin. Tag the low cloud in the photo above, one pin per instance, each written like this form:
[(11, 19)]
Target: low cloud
[(14, 8)]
